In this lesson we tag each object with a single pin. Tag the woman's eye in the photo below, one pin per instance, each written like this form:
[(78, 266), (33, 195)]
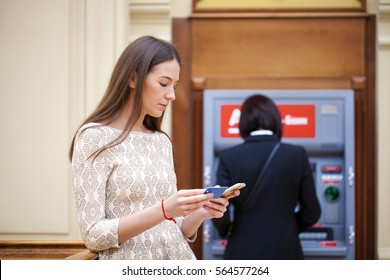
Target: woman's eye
[(163, 84)]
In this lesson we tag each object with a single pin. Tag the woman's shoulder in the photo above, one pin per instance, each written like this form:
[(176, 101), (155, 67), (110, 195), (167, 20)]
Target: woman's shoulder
[(89, 128), (93, 131), (162, 137), (90, 138)]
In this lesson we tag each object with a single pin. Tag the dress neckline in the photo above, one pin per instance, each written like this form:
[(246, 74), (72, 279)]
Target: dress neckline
[(121, 130)]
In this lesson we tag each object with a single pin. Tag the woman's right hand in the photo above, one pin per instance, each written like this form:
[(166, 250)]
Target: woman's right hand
[(185, 201)]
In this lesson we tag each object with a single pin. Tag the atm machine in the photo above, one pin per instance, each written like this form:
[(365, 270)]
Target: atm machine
[(322, 121)]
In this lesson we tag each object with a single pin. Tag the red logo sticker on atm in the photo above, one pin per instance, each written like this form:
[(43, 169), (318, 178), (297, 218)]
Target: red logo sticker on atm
[(298, 120), (230, 117)]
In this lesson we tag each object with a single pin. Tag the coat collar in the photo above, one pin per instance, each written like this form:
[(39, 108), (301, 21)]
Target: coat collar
[(262, 138)]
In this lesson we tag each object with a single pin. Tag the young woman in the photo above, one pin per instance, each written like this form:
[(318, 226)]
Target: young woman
[(124, 181)]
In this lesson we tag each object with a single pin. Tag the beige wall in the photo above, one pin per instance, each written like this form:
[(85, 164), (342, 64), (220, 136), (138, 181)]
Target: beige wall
[(55, 60), (34, 119), (383, 128)]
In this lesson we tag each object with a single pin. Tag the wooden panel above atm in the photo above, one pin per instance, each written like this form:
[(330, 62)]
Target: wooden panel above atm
[(226, 51)]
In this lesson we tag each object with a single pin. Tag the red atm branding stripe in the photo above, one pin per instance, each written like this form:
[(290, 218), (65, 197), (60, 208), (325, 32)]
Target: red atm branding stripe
[(328, 244), (298, 120)]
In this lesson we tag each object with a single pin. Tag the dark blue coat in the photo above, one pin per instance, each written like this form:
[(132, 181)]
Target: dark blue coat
[(267, 226)]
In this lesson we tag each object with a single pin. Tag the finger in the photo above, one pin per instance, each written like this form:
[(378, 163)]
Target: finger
[(214, 213), (194, 199), (222, 200), (187, 205), (233, 194), (190, 192), (221, 207), (196, 205)]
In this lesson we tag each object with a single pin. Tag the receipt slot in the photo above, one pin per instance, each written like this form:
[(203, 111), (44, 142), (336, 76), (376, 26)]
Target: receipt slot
[(322, 121)]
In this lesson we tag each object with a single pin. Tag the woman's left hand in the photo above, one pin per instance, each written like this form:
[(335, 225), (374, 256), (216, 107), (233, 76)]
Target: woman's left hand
[(215, 208)]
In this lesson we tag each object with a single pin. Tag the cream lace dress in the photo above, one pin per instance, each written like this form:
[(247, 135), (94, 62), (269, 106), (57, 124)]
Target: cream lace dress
[(123, 180)]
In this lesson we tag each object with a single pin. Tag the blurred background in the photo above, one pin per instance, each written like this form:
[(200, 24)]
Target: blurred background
[(56, 57)]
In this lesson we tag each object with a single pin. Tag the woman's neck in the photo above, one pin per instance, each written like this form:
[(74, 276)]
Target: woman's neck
[(120, 121)]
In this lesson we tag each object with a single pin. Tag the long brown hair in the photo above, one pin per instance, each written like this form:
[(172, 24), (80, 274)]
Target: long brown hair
[(139, 57)]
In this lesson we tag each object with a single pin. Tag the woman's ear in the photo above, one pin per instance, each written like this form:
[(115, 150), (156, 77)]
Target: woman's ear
[(133, 80)]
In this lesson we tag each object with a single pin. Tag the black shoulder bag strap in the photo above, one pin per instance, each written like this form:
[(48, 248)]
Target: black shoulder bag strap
[(271, 155)]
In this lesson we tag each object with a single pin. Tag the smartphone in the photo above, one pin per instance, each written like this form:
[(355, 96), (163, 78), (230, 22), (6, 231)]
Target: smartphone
[(231, 189), (216, 190), (224, 191)]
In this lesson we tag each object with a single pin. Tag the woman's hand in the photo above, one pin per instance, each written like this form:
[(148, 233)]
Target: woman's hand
[(211, 208), (215, 208), (184, 202)]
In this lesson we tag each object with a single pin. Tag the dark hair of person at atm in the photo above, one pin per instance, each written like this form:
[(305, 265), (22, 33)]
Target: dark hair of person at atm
[(260, 112)]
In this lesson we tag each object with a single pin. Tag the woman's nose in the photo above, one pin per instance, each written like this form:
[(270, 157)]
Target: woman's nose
[(171, 94)]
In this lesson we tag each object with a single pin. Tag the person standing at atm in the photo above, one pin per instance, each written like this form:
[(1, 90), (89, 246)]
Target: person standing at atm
[(267, 217)]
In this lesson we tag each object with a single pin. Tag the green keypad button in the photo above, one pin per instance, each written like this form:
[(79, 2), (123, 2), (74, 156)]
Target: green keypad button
[(332, 193)]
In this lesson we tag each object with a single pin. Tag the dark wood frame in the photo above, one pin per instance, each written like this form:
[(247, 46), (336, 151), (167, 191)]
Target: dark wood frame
[(187, 123), (45, 250)]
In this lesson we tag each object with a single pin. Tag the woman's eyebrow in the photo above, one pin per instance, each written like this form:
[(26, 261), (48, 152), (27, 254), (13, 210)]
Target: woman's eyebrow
[(169, 78), (166, 77)]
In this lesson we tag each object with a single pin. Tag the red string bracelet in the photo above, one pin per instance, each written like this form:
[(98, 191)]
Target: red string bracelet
[(163, 210)]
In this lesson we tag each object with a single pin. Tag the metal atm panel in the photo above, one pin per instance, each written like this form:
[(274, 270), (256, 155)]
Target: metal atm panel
[(322, 121)]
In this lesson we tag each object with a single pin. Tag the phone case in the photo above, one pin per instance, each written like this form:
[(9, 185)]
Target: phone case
[(231, 189), (217, 191)]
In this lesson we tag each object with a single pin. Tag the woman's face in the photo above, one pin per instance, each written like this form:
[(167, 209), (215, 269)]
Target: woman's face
[(159, 88)]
